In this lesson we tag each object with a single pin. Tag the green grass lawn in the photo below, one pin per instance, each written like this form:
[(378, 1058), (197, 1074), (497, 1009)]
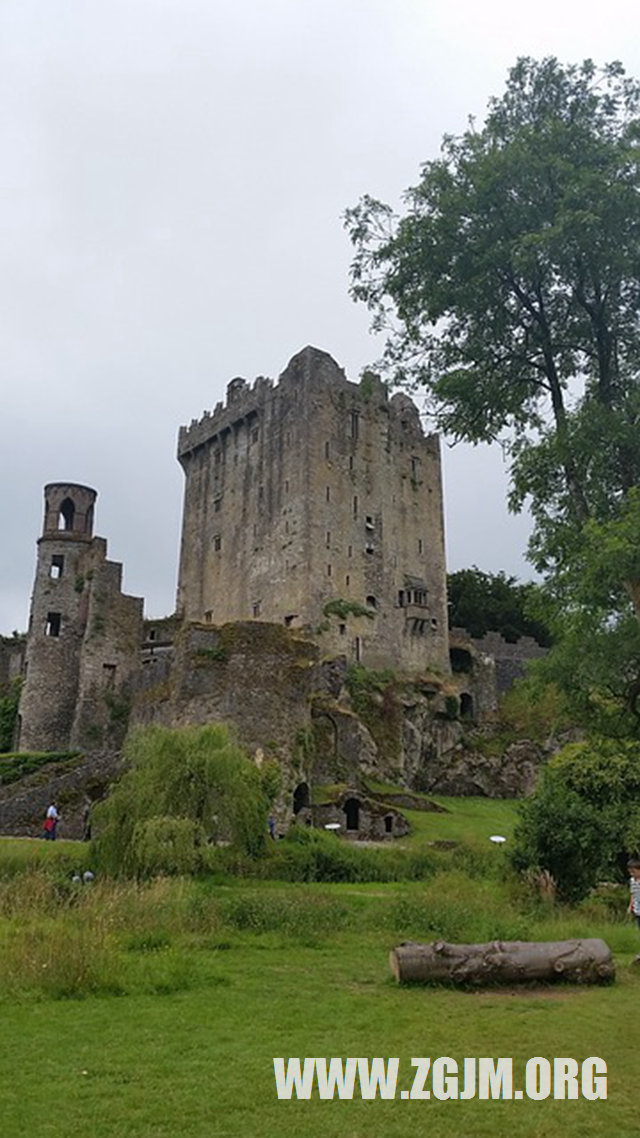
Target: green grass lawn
[(179, 995), (469, 820)]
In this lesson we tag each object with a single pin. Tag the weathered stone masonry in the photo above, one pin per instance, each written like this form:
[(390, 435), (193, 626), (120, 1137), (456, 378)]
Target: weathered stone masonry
[(84, 637), (312, 491)]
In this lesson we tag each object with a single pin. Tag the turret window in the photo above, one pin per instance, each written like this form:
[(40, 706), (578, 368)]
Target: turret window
[(54, 624), (57, 566), (66, 515)]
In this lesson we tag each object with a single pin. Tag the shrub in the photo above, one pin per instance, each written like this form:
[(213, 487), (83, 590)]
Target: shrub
[(582, 821)]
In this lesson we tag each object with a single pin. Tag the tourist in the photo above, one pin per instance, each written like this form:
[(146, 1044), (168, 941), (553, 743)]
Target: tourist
[(51, 823)]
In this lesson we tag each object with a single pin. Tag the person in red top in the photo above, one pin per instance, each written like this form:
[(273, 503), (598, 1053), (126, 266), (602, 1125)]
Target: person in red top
[(51, 823)]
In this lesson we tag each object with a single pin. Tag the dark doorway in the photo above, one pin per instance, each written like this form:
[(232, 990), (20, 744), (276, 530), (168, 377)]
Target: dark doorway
[(388, 824), (466, 705), (352, 812), (300, 797)]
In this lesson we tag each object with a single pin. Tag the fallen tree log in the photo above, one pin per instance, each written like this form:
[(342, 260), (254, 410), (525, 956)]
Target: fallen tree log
[(586, 961)]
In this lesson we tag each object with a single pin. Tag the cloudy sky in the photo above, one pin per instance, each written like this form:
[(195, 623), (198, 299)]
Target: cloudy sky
[(174, 175)]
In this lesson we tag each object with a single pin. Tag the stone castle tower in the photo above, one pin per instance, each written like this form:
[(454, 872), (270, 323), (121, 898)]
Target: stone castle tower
[(317, 503), (84, 634)]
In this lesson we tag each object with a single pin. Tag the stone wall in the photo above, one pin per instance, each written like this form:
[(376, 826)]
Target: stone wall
[(510, 659), (72, 785), (12, 656)]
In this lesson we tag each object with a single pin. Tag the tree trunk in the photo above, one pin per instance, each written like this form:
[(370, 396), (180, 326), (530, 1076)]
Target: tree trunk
[(503, 962)]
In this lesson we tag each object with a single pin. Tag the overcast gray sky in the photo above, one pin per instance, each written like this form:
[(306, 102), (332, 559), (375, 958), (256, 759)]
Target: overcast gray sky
[(175, 172)]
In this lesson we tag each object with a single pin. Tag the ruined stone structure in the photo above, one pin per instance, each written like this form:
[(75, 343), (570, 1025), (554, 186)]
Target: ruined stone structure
[(84, 635), (510, 659), (316, 503)]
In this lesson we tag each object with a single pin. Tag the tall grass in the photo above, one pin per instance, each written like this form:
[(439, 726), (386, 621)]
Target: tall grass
[(111, 938)]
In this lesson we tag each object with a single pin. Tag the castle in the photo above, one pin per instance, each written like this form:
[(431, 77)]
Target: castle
[(317, 503), (312, 541)]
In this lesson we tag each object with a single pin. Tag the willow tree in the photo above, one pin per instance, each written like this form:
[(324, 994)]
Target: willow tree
[(509, 289)]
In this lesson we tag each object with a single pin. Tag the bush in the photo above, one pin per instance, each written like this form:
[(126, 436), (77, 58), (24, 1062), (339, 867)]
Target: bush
[(583, 820), (182, 788), (311, 855)]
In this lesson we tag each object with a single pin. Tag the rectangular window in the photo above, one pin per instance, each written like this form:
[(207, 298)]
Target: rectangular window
[(350, 551), (217, 542), (57, 567), (327, 450), (208, 616), (350, 462), (419, 545), (328, 541), (328, 493), (369, 522), (401, 598), (260, 493), (257, 606), (54, 624), (328, 570), (355, 505), (286, 486), (358, 649), (347, 580), (216, 505), (355, 424)]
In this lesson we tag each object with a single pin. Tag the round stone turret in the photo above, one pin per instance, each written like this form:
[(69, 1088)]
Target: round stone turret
[(68, 511)]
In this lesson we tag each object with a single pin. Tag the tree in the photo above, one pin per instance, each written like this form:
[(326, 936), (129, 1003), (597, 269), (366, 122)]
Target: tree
[(482, 602), (180, 789), (583, 821), (510, 290)]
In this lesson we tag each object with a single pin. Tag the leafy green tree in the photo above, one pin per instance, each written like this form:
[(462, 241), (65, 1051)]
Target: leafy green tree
[(483, 602), (583, 820), (181, 789), (510, 291)]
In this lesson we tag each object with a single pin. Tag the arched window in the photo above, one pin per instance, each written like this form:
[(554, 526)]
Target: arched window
[(66, 515), (372, 602)]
